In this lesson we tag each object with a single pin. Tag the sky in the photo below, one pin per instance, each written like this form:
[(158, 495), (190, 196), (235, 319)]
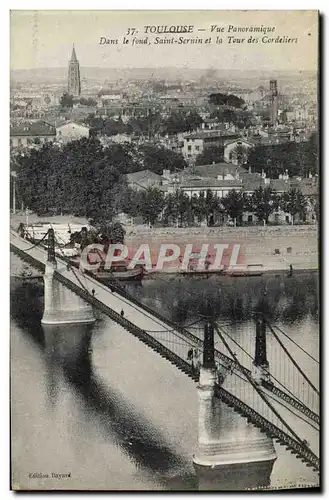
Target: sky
[(44, 38)]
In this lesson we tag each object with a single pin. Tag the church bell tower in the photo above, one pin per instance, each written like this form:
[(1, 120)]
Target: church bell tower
[(74, 85)]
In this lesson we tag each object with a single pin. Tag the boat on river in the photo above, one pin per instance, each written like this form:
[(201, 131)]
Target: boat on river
[(244, 270)]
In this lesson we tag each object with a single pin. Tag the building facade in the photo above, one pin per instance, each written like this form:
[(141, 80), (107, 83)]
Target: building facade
[(31, 134), (71, 131)]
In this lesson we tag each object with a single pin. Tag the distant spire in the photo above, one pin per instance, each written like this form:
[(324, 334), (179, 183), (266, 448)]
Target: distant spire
[(74, 56)]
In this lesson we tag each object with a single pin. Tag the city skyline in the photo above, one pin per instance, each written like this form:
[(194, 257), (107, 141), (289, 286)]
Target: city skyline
[(49, 37)]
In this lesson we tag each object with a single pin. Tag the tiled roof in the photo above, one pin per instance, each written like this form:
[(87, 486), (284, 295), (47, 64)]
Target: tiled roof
[(215, 169), (142, 176), (239, 139), (308, 187), (33, 129), (252, 181), (209, 134), (210, 182), (72, 122)]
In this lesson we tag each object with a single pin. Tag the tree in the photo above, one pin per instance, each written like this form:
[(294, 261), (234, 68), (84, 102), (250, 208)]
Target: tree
[(130, 202), (148, 125), (211, 206), (240, 154), (66, 101), (199, 204), (293, 202), (88, 102), (234, 204), (151, 204), (157, 159), (182, 121), (76, 179), (264, 202), (113, 127), (296, 158), (211, 154), (111, 233), (177, 207), (219, 99)]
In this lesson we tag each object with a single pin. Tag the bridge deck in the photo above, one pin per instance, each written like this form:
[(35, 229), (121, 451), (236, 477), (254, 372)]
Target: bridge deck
[(172, 344)]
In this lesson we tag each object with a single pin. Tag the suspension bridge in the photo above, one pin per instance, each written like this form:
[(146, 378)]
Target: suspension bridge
[(277, 396)]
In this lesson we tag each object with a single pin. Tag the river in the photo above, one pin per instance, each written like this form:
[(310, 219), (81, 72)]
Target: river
[(97, 404)]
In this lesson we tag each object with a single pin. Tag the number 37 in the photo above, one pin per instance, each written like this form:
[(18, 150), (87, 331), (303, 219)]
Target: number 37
[(131, 31)]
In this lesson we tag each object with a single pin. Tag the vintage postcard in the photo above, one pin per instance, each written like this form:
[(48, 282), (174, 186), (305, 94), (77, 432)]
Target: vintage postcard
[(164, 199)]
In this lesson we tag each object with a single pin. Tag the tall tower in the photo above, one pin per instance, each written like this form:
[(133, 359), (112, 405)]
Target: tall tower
[(74, 85), (274, 101)]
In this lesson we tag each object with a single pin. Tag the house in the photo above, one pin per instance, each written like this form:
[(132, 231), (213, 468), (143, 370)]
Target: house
[(143, 180), (195, 143), (29, 134), (210, 124), (194, 186), (108, 99), (71, 131), (35, 101), (236, 151)]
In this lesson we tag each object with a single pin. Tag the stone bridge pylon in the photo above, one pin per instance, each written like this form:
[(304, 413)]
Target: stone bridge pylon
[(230, 450), (61, 305)]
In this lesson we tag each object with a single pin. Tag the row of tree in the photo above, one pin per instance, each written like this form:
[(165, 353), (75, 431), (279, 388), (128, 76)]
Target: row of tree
[(149, 125), (153, 123), (179, 209), (298, 158)]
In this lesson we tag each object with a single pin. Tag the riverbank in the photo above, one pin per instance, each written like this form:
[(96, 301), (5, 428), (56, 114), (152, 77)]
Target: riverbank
[(273, 247)]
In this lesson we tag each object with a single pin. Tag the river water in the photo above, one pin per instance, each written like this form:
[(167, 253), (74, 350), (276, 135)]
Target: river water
[(96, 403)]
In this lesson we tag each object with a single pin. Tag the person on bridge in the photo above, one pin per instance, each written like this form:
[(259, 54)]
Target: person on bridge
[(122, 313), (190, 357), (194, 356), (93, 292)]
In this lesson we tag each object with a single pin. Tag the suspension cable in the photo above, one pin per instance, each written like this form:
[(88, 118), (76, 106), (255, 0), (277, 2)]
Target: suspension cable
[(296, 344), (237, 344), (37, 243), (149, 331), (201, 316), (265, 369), (293, 412), (292, 359), (255, 386)]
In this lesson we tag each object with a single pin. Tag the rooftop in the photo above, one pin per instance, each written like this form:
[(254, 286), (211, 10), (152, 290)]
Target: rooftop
[(33, 129), (142, 176), (215, 169), (210, 182), (72, 122), (208, 134)]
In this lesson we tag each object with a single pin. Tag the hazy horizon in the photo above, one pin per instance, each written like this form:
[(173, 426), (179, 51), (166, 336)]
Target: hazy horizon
[(224, 70)]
